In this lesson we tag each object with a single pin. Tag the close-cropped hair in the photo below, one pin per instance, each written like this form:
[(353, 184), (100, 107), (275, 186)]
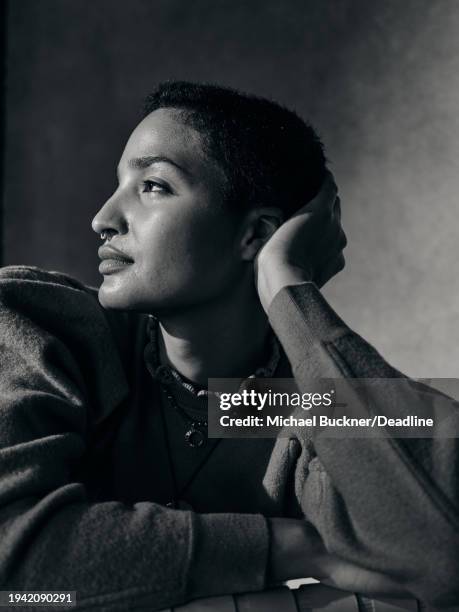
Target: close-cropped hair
[(268, 154)]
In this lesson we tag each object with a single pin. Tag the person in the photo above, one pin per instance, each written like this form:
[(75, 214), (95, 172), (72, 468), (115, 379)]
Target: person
[(223, 228)]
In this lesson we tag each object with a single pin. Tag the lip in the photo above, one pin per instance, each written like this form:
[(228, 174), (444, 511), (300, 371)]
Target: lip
[(107, 251), (110, 266), (113, 259)]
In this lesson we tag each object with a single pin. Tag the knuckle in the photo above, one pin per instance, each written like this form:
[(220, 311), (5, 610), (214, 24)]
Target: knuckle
[(340, 263)]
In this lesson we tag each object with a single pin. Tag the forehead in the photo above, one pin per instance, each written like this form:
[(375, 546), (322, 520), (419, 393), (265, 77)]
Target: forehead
[(162, 133)]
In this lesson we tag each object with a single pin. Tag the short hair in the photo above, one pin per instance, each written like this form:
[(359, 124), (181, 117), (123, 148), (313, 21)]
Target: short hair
[(268, 154)]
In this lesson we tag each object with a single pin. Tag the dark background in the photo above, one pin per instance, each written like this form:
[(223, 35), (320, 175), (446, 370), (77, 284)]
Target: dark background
[(379, 80)]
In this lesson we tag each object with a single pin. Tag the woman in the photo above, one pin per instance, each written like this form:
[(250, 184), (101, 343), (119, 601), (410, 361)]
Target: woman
[(109, 485)]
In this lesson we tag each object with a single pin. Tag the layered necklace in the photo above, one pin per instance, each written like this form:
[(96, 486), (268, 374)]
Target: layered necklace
[(195, 425), (178, 502), (168, 378), (196, 433)]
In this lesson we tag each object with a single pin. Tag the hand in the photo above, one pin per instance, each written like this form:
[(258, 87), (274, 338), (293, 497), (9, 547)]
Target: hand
[(295, 544), (306, 247), (297, 551), (335, 572)]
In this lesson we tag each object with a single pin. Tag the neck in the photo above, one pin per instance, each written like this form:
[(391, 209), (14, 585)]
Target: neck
[(219, 339)]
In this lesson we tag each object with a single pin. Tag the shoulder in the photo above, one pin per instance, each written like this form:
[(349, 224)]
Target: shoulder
[(56, 299), (33, 273), (53, 301), (48, 315), (19, 282)]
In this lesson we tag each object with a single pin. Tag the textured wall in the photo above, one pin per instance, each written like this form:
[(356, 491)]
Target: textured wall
[(380, 81)]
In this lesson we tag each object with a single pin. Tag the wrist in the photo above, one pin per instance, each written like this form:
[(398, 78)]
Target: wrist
[(294, 550), (273, 277)]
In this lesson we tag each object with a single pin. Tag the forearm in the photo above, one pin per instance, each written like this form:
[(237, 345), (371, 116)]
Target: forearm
[(111, 553), (388, 490), (58, 372)]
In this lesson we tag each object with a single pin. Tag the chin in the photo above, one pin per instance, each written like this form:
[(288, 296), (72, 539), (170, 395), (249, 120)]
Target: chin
[(110, 301), (115, 294), (122, 292), (119, 296)]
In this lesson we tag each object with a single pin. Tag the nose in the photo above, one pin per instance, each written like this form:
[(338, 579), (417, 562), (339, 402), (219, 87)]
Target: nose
[(111, 216)]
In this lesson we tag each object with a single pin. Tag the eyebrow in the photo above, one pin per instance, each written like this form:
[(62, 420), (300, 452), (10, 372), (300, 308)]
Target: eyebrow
[(140, 163)]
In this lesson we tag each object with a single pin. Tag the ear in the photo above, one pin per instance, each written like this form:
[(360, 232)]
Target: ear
[(259, 225)]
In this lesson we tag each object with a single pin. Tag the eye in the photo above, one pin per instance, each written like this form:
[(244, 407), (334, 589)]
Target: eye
[(150, 186)]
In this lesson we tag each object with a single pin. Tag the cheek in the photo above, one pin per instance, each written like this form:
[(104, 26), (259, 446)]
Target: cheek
[(187, 249), (179, 259)]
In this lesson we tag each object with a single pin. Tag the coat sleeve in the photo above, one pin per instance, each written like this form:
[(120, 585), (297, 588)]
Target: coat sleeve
[(58, 363), (387, 504)]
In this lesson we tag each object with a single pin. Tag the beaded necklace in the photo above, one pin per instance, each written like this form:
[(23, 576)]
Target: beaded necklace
[(168, 377), (196, 426)]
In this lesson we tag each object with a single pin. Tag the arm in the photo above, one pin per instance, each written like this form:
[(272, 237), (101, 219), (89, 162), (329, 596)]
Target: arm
[(389, 505), (57, 369)]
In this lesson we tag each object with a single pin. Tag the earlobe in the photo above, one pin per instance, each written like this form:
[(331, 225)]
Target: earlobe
[(260, 226)]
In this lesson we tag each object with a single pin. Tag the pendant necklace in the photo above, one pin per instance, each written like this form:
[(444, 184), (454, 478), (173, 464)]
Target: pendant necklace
[(196, 434)]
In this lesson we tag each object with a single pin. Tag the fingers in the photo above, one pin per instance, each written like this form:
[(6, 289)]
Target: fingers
[(329, 187), (337, 209), (331, 269), (333, 240), (342, 242), (348, 576), (334, 262), (326, 198)]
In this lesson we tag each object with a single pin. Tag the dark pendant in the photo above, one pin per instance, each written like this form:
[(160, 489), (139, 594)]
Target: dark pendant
[(195, 437)]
